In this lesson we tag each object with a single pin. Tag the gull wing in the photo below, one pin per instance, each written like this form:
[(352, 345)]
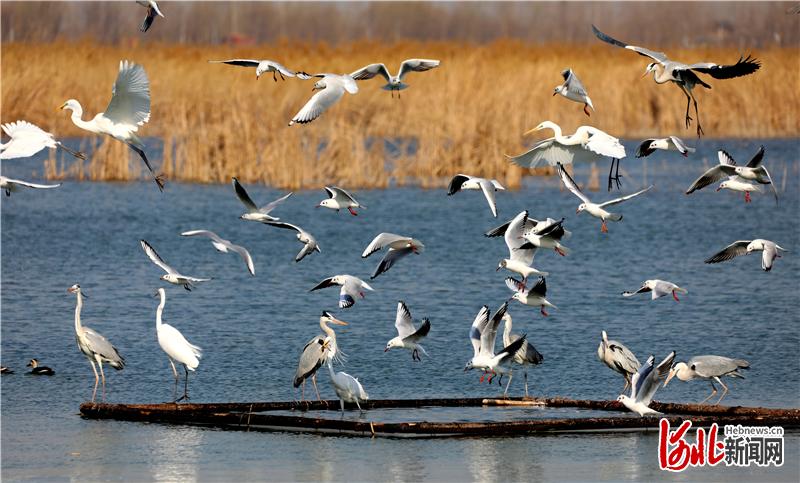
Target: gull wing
[(648, 387), (515, 285), (416, 65), (570, 184), (573, 83), (625, 198), (771, 184), (31, 185), (680, 145), (455, 183), (540, 288), (644, 149), (148, 20), (391, 257), (514, 238), (207, 233), (319, 103), (130, 100), (657, 56), (489, 335), (266, 209), (239, 62), (743, 66), (242, 251), (333, 191), (280, 68), (380, 241), (285, 226), (637, 381), (488, 191), (735, 249), (755, 161), (662, 288), (370, 71), (768, 256), (511, 349), (642, 289), (328, 282), (478, 326), (153, 255), (403, 322), (713, 175), (241, 193), (421, 333), (307, 249)]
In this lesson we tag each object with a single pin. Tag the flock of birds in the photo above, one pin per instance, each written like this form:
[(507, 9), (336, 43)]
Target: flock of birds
[(129, 109)]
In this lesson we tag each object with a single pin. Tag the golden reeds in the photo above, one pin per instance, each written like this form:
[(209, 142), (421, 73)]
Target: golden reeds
[(217, 121)]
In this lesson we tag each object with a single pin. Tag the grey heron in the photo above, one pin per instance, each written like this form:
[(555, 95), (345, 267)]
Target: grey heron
[(645, 384), (398, 247), (526, 356), (487, 186), (28, 139), (408, 336), (172, 275), (316, 352), (177, 348), (352, 287), (254, 212), (339, 199), (573, 89), (657, 289), (769, 252), (224, 246), (711, 368), (394, 83), (618, 358)]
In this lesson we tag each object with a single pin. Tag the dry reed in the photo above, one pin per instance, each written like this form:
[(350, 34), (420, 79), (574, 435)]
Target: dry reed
[(217, 121)]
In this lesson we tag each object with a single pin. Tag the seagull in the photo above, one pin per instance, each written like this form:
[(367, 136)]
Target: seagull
[(408, 336), (129, 108), (263, 66), (399, 247), (618, 358), (712, 368), (546, 233), (769, 252), (521, 252), (172, 275), (684, 75), (340, 199), (8, 185), (735, 183), (754, 171), (534, 296), (526, 356), (488, 186), (307, 239), (152, 11), (347, 387), (573, 89), (224, 246), (254, 213), (672, 143), (352, 287), (28, 139), (594, 209), (586, 144), (658, 288), (331, 88), (483, 334), (394, 83), (645, 384)]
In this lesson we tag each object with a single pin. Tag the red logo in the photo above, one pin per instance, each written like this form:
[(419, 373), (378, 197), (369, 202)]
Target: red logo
[(675, 454)]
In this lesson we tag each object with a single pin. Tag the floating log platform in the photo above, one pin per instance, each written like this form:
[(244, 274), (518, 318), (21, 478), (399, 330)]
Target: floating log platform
[(256, 416)]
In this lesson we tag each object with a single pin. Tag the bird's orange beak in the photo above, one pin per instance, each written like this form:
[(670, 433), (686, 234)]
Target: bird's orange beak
[(62, 106)]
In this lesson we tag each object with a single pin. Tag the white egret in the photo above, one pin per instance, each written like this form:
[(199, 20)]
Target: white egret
[(10, 185), (28, 139), (177, 348), (347, 388)]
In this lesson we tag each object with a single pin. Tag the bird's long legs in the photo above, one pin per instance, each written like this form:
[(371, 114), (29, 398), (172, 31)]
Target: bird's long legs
[(724, 390), (96, 379), (314, 381), (627, 383), (586, 110), (103, 377), (616, 177), (175, 388), (603, 227), (713, 391), (510, 376), (687, 119), (525, 375)]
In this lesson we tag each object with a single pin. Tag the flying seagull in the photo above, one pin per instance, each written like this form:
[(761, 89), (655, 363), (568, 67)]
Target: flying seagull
[(8, 185), (482, 335), (254, 213), (172, 275), (264, 66), (224, 246), (645, 384), (394, 83), (28, 139), (399, 246), (658, 288), (488, 186), (546, 233), (672, 143), (685, 75), (769, 252), (307, 239), (753, 171), (352, 287), (331, 88), (152, 11), (408, 336), (521, 251), (573, 89), (534, 296), (339, 199)]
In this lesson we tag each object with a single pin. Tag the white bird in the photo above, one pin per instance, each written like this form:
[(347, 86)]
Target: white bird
[(172, 275), (596, 209), (754, 171), (339, 199), (264, 66), (683, 75), (769, 252), (352, 287), (711, 368), (347, 388), (526, 356), (129, 108), (521, 252), (9, 185), (534, 296), (546, 233), (331, 88), (28, 139), (618, 358), (224, 246), (254, 213), (394, 83), (735, 183), (307, 239), (177, 348), (94, 346), (672, 143), (645, 384), (152, 11), (586, 144), (408, 336), (658, 288), (399, 246), (316, 352), (483, 334), (573, 89), (466, 182)]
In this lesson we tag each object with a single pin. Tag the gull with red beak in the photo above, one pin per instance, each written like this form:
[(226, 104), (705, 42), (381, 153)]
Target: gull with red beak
[(264, 66), (352, 287), (534, 296), (573, 89), (658, 288), (399, 246)]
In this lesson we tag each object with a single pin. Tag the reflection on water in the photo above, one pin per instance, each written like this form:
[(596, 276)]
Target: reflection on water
[(174, 456)]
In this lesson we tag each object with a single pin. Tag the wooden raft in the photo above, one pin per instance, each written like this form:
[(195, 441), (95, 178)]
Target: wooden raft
[(255, 417)]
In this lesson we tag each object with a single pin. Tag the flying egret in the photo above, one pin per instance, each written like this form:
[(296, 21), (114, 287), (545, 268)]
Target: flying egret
[(526, 356), (645, 384), (618, 358), (94, 346), (394, 83), (129, 108), (399, 246), (711, 368), (658, 288), (10, 185), (352, 287), (331, 88), (254, 212), (28, 139), (172, 275), (408, 336), (152, 11), (339, 199), (769, 252), (573, 89), (38, 370), (224, 246), (466, 182), (316, 352), (347, 388), (177, 348)]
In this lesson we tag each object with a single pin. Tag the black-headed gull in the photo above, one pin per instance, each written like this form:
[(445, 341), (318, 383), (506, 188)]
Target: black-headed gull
[(399, 246), (331, 88), (254, 213), (339, 199), (644, 385), (394, 83), (264, 66), (672, 143), (408, 336), (769, 252), (9, 184), (735, 183), (658, 288), (527, 355), (595, 209), (546, 233), (534, 296), (618, 358), (573, 89), (520, 251), (466, 182), (352, 287), (711, 368), (28, 139), (307, 239), (754, 171), (152, 11), (224, 246), (483, 334), (172, 275)]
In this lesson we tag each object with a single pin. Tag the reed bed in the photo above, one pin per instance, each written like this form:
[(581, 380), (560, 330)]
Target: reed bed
[(217, 121)]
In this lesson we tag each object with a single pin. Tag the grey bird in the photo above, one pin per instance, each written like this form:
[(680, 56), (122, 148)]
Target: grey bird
[(711, 368), (618, 358), (526, 356), (316, 352), (769, 252)]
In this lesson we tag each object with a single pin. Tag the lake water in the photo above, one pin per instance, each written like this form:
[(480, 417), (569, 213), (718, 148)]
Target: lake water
[(253, 328)]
